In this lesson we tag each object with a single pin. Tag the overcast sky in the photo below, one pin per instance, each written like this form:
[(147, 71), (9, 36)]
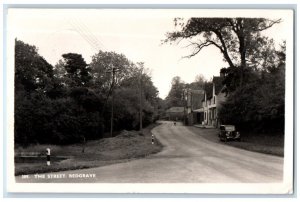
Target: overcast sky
[(135, 33)]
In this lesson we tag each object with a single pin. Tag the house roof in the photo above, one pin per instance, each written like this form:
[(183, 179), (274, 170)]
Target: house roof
[(208, 87), (217, 80), (175, 109), (198, 110), (197, 91)]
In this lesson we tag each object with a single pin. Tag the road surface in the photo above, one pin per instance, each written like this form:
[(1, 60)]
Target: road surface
[(186, 157)]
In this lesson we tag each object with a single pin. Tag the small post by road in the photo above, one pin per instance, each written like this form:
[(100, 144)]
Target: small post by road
[(48, 156), (152, 139), (83, 144)]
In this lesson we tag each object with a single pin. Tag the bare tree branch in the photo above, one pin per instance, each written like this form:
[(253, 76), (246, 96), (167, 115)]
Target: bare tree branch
[(224, 49), (200, 46), (272, 22)]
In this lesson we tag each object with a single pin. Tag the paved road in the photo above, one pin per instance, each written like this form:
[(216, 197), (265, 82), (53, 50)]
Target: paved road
[(186, 157)]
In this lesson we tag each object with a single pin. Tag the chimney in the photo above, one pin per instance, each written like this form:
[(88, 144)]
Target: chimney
[(222, 75), (222, 72)]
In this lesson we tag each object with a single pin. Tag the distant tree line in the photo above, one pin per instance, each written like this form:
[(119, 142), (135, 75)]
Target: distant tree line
[(71, 101), (178, 92), (255, 76)]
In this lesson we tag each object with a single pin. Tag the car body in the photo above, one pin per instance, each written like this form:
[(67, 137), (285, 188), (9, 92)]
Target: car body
[(228, 132)]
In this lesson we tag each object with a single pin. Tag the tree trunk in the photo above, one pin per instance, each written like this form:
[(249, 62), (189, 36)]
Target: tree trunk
[(243, 60), (242, 50)]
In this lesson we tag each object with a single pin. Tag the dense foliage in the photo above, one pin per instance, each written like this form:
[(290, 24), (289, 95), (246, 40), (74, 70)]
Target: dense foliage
[(71, 102), (175, 97), (260, 103)]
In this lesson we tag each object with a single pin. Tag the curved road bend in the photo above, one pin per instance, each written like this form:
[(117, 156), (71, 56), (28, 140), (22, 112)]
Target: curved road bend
[(186, 157)]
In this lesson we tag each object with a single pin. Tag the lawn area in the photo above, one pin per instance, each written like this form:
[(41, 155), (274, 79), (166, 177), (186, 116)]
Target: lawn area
[(126, 146), (258, 142)]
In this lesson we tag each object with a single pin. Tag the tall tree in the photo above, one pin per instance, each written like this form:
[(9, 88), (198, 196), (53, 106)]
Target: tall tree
[(198, 83), (32, 71), (175, 97), (33, 82), (102, 66), (260, 104), (77, 70), (234, 37), (135, 90), (108, 70)]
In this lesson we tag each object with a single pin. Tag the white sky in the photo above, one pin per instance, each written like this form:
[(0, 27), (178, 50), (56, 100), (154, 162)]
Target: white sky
[(135, 33)]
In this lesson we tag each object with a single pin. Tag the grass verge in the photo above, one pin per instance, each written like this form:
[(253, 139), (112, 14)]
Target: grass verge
[(126, 146), (264, 143)]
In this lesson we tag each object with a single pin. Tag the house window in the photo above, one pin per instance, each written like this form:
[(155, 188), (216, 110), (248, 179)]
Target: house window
[(214, 99)]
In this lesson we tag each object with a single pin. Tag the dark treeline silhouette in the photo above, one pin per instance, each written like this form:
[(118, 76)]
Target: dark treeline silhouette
[(71, 101)]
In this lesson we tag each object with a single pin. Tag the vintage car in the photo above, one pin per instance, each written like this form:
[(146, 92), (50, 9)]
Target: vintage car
[(228, 132)]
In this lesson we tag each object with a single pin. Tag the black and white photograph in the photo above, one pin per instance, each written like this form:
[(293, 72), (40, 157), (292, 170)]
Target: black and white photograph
[(150, 100)]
